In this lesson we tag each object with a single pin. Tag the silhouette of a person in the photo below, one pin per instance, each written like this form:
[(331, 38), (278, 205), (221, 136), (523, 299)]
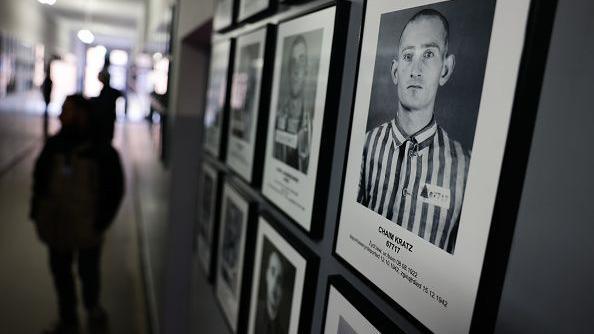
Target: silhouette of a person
[(46, 90), (105, 107), (78, 185)]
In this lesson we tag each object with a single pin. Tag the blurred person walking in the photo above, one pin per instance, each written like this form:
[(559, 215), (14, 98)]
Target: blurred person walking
[(105, 106), (78, 185), (46, 91)]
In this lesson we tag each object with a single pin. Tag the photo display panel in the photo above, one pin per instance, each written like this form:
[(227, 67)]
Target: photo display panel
[(232, 241), (216, 97), (277, 285), (207, 215), (297, 107), (435, 91), (245, 102)]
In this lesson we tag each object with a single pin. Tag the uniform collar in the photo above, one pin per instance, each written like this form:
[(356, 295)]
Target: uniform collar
[(399, 136)]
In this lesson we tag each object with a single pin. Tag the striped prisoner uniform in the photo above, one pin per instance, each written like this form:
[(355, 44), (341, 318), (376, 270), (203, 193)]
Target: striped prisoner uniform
[(415, 181)]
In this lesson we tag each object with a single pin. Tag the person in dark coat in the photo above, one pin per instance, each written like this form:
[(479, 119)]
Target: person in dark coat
[(78, 185), (46, 90), (105, 106)]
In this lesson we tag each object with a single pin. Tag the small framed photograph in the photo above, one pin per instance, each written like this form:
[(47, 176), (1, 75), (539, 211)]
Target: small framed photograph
[(223, 14), (252, 8), (302, 112), (282, 284), (208, 217), (216, 99), (235, 240), (249, 103), (348, 312), (436, 86)]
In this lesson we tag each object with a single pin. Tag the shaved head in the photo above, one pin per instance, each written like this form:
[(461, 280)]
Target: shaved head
[(429, 14)]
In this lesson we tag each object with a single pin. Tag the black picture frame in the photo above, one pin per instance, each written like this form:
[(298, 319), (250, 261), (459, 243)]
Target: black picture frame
[(220, 151), (312, 263), (331, 105), (262, 108), (209, 268), (540, 21), (248, 261), (377, 318)]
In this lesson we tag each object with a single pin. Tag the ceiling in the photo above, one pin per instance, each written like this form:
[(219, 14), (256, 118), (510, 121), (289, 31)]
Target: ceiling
[(120, 23)]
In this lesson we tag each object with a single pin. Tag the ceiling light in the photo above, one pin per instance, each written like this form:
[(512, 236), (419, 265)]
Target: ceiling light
[(86, 36), (47, 2)]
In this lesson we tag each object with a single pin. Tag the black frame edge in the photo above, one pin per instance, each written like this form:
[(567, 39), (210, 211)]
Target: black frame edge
[(515, 161)]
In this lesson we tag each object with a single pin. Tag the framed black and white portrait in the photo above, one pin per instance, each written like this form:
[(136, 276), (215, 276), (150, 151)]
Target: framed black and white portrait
[(282, 280), (223, 14), (436, 87), (208, 216), (298, 117), (248, 104), (235, 235), (251, 8), (216, 98), (348, 312)]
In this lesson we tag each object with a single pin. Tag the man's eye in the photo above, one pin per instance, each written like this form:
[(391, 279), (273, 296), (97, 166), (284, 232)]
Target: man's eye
[(428, 54), (407, 57)]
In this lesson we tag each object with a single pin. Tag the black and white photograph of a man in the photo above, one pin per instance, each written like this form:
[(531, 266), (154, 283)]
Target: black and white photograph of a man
[(294, 118), (275, 292), (244, 86), (231, 246), (419, 131)]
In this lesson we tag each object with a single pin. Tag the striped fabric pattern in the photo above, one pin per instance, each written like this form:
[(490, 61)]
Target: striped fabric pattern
[(415, 181)]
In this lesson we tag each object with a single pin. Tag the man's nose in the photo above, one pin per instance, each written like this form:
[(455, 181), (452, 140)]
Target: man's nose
[(416, 68)]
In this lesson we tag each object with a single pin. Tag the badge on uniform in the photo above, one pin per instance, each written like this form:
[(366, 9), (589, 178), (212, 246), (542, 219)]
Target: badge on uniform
[(435, 195)]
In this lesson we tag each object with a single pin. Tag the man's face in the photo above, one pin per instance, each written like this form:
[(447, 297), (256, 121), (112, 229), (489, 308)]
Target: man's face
[(421, 66), (297, 68), (274, 281)]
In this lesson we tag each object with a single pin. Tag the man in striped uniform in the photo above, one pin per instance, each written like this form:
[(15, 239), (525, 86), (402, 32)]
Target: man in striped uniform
[(412, 172)]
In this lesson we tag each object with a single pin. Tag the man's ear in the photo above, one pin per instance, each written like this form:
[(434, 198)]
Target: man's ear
[(394, 71), (447, 69)]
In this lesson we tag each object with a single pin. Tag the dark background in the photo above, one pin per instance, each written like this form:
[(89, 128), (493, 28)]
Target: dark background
[(457, 104)]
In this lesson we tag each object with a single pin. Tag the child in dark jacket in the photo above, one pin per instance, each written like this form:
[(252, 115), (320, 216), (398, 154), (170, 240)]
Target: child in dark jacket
[(78, 185)]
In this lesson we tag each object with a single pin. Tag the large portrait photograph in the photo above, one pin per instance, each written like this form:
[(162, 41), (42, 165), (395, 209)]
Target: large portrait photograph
[(216, 97), (428, 131), (245, 101), (207, 215), (277, 285), (297, 108), (232, 240)]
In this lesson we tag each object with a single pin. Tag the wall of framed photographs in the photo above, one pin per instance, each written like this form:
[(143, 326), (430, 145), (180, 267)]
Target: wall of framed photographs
[(300, 101), (17, 64)]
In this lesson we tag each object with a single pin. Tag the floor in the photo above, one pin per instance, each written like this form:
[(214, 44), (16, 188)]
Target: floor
[(27, 304)]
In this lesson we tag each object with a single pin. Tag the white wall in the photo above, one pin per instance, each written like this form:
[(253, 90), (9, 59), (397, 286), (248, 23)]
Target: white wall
[(192, 15)]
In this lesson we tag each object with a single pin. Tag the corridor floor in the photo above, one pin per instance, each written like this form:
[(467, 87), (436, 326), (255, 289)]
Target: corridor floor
[(27, 302)]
